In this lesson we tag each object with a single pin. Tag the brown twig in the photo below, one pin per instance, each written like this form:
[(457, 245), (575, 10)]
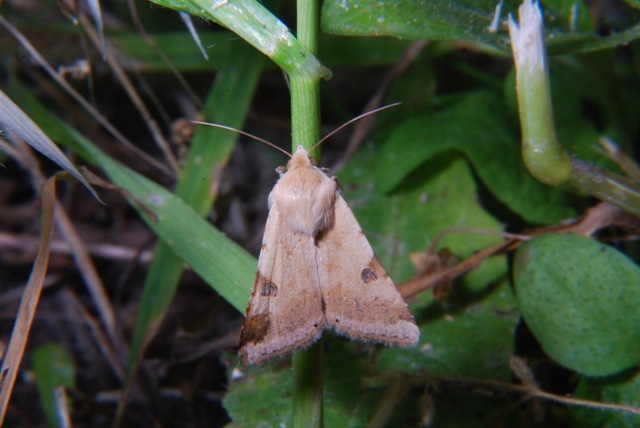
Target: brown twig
[(29, 301), (494, 385), (417, 285), (104, 251), (80, 254), (595, 218), (98, 335)]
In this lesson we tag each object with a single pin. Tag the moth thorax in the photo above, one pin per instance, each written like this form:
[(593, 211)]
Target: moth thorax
[(305, 198)]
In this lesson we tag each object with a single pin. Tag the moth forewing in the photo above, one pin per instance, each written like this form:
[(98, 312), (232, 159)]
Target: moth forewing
[(285, 311), (317, 270), (361, 300)]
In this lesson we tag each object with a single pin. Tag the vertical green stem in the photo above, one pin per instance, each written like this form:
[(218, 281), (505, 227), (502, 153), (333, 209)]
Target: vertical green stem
[(305, 123), (308, 409), (305, 87)]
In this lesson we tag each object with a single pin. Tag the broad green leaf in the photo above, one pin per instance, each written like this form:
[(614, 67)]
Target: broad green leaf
[(262, 398), (623, 389), (580, 299), (472, 335), (432, 20), (53, 367), (477, 127), (463, 20), (441, 195)]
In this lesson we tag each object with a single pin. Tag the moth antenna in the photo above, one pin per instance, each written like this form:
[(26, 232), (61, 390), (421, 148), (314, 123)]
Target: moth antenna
[(335, 131), (246, 134)]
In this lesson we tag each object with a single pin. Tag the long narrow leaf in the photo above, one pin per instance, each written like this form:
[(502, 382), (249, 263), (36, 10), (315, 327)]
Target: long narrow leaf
[(30, 299), (13, 120)]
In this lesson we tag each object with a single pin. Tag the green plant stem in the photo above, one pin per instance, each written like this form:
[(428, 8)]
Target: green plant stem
[(308, 408), (305, 123), (547, 160), (305, 113), (542, 153), (307, 19)]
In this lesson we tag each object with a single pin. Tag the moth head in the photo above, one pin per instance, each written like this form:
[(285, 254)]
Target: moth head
[(301, 159)]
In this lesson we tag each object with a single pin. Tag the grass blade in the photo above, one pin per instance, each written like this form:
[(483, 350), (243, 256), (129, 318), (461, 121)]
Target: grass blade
[(14, 120), (30, 299)]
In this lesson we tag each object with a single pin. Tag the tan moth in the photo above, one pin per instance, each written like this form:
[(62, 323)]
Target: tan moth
[(317, 271)]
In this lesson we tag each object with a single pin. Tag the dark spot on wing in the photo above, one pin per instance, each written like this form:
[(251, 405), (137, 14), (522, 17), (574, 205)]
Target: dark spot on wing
[(367, 275), (254, 329), (3, 376), (324, 306), (269, 289), (377, 268)]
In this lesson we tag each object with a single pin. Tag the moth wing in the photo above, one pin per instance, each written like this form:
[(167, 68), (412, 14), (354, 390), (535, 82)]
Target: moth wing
[(361, 300), (285, 312)]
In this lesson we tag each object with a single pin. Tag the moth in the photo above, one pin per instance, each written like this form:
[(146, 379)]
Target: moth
[(317, 271)]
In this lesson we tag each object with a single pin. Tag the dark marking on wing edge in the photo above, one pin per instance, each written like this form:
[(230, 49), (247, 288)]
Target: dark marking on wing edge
[(2, 377), (269, 289), (377, 268), (254, 329), (406, 316), (367, 275)]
